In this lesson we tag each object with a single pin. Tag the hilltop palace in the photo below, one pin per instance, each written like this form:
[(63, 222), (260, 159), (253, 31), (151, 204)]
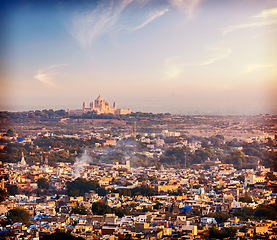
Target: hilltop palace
[(99, 106)]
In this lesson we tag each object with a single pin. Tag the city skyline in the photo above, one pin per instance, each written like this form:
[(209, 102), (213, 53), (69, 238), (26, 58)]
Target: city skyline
[(182, 57)]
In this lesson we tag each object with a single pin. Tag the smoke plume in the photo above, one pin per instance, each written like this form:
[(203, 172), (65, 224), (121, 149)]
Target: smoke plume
[(80, 164)]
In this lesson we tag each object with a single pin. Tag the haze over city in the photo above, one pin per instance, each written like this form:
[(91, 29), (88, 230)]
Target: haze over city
[(182, 57), (138, 119)]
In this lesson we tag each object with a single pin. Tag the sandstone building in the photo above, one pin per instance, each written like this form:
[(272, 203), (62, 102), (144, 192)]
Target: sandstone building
[(99, 106)]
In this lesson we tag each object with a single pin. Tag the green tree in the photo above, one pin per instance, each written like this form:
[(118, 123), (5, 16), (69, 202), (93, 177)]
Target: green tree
[(3, 194), (179, 192), (80, 210), (80, 186), (100, 208), (240, 178), (19, 215), (43, 183), (245, 213), (157, 205), (214, 232), (147, 209), (12, 189), (271, 176), (205, 143), (197, 213), (264, 211), (143, 190), (74, 193), (230, 232), (246, 198), (120, 212), (122, 192), (236, 157), (133, 204), (221, 217), (11, 132), (58, 235)]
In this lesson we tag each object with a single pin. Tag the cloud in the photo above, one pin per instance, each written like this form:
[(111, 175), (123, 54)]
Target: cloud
[(268, 13), (264, 33), (104, 18), (43, 77), (150, 18), (247, 25), (90, 25), (218, 55), (46, 75), (266, 17), (256, 67), (187, 6), (173, 67)]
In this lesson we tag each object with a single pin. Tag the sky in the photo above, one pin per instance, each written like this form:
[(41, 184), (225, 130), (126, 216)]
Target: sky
[(177, 56)]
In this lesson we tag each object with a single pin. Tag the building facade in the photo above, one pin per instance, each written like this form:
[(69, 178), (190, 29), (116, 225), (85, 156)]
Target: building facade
[(99, 106)]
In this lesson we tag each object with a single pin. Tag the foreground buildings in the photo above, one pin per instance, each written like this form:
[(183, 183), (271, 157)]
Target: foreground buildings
[(185, 203), (166, 214)]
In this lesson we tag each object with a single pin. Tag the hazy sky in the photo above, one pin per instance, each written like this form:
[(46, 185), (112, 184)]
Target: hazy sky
[(178, 56)]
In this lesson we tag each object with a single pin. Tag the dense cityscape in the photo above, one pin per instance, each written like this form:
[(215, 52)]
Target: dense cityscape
[(138, 119), (137, 176)]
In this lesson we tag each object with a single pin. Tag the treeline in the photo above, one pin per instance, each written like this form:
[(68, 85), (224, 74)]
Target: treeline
[(87, 115), (13, 154), (65, 143), (226, 233), (263, 211), (66, 150), (136, 115), (100, 208), (227, 152), (80, 186), (35, 114)]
